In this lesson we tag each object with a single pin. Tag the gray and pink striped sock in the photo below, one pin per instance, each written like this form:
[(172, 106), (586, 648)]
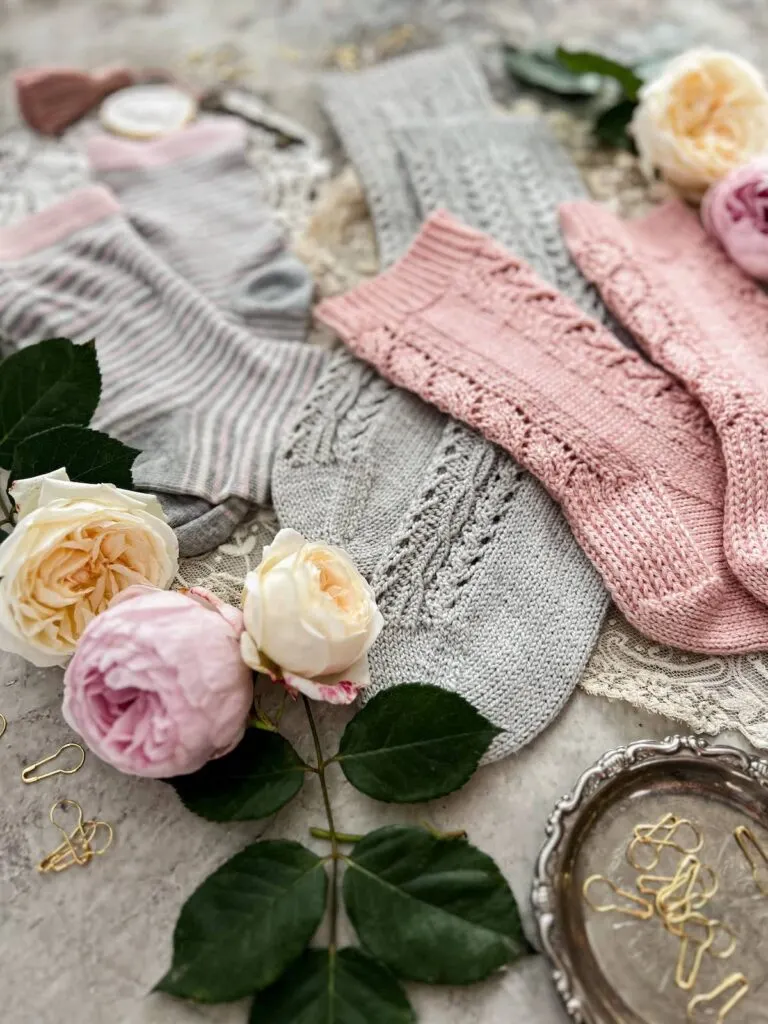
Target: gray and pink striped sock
[(203, 397), (195, 200)]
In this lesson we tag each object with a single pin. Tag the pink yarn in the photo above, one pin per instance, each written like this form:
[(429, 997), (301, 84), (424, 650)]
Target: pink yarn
[(702, 318), (627, 452)]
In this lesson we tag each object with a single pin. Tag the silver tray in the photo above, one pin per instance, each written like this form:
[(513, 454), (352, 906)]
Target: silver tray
[(611, 967)]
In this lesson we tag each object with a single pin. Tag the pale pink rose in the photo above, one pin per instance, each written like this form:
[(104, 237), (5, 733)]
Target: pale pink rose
[(156, 686), (735, 212)]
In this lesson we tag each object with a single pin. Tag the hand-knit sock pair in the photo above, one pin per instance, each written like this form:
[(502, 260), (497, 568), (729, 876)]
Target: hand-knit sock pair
[(699, 316), (477, 574), (630, 456), (203, 396)]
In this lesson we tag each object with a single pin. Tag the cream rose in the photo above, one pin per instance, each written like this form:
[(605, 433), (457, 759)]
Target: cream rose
[(706, 114), (310, 618), (74, 547)]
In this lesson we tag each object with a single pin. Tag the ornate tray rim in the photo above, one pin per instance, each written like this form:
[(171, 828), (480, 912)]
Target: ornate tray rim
[(611, 764)]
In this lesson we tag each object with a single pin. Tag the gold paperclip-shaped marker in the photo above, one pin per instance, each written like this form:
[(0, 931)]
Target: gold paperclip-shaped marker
[(684, 980), (722, 954), (737, 981), (27, 777), (646, 836), (3, 723), (754, 854), (678, 900), (642, 909)]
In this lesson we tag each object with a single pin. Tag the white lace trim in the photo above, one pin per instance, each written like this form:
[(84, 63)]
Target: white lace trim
[(707, 693)]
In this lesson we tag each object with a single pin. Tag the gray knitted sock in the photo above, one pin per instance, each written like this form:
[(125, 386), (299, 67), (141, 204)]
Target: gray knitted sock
[(480, 582), (435, 83), (197, 203)]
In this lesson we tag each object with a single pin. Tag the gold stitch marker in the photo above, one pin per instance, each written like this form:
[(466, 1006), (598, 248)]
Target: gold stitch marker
[(644, 913), (3, 724), (753, 853), (78, 846), (26, 775), (736, 980)]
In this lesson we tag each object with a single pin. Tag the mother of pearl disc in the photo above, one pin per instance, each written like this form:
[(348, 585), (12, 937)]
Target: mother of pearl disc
[(146, 111)]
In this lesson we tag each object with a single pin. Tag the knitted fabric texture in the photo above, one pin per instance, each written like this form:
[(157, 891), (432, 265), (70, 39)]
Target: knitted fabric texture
[(456, 538), (433, 84), (504, 176), (702, 318), (193, 198), (628, 454), (202, 397)]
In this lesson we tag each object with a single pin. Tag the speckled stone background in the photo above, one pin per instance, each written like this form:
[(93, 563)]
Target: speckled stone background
[(87, 946)]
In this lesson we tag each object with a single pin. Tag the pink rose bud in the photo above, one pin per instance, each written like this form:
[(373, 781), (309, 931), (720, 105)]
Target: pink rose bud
[(735, 212), (156, 686)]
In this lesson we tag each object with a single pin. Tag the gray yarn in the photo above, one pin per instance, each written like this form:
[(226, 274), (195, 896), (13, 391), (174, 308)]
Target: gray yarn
[(481, 584)]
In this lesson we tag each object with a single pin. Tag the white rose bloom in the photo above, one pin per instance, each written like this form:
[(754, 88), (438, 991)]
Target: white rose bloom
[(310, 618), (74, 547), (706, 114)]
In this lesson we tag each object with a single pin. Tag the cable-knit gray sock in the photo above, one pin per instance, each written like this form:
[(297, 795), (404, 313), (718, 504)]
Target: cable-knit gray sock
[(478, 577)]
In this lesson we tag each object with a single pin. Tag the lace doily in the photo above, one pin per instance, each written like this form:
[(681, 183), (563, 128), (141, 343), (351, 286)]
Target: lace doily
[(223, 570), (709, 694)]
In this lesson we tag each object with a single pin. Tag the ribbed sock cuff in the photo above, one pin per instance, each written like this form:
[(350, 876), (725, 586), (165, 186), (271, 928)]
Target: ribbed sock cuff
[(209, 136), (54, 224), (442, 247)]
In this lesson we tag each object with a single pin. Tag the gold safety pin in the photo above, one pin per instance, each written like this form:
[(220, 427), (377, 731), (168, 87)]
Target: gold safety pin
[(3, 723), (27, 777)]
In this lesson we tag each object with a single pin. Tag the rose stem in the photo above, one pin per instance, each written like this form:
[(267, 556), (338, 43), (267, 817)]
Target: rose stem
[(335, 855), (341, 837)]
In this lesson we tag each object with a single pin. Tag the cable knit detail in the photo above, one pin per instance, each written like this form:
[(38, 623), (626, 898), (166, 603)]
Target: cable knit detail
[(474, 331), (699, 316), (340, 414), (453, 518), (445, 82)]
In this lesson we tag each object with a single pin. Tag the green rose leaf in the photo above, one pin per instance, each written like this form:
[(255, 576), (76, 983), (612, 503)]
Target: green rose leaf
[(582, 62), (612, 125), (43, 386), (261, 774), (431, 909), (325, 987), (246, 923), (542, 69), (89, 456), (414, 742)]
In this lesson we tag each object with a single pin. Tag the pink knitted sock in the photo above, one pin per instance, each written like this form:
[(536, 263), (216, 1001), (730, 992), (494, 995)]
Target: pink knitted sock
[(699, 316), (630, 456)]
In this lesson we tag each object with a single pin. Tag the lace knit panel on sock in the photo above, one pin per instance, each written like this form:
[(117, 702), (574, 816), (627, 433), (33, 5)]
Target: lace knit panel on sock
[(506, 177), (442, 82), (441, 540)]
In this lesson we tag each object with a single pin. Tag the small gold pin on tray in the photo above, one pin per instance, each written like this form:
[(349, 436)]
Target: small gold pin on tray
[(649, 890)]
